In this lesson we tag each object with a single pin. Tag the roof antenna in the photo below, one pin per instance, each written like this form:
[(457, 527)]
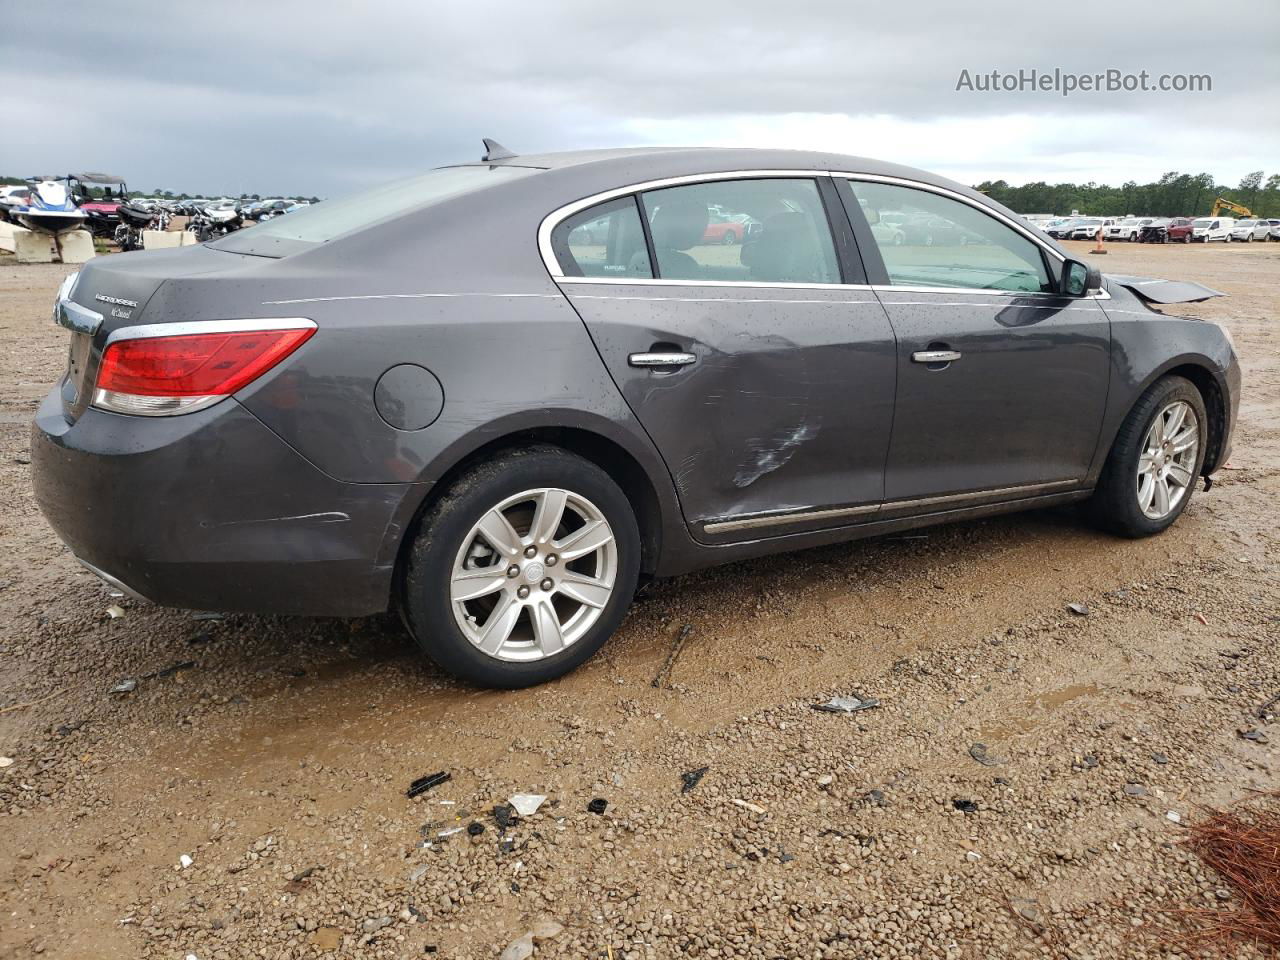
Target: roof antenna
[(495, 151)]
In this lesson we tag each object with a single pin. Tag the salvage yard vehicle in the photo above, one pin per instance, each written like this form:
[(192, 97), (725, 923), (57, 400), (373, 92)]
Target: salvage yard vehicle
[(433, 398), (1250, 230), (1127, 229), (1208, 229)]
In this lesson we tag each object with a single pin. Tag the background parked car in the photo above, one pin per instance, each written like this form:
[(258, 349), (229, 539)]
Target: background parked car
[(1273, 229), (1250, 230), (1126, 229), (1180, 229), (1207, 229)]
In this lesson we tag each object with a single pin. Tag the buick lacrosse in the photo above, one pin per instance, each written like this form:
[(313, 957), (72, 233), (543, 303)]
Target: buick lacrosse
[(494, 396)]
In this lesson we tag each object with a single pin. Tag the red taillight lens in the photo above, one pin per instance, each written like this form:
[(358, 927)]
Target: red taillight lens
[(194, 365)]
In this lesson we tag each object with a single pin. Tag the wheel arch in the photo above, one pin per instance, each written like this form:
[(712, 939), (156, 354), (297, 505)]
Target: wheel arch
[(624, 466), (1200, 372)]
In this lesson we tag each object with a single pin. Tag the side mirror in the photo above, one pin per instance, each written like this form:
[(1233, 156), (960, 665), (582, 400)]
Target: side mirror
[(1079, 279)]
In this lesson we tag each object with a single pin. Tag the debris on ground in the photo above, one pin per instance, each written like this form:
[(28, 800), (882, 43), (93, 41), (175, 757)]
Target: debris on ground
[(208, 615), (664, 672), (1253, 736), (185, 861), (850, 704), (1079, 609), (965, 806), (423, 784), (525, 804), (521, 948), (475, 828), (1242, 846), (747, 805), (125, 686), (1135, 790), (598, 805), (115, 611), (979, 752), (169, 670), (1264, 711), (6, 762), (690, 778)]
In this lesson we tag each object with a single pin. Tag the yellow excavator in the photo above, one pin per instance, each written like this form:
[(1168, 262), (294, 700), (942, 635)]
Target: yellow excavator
[(1222, 203)]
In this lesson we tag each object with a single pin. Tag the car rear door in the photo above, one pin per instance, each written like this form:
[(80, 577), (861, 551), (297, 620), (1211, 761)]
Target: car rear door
[(763, 371), (1001, 381)]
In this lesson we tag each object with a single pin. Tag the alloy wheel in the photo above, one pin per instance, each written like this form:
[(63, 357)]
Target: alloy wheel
[(1166, 466), (533, 575)]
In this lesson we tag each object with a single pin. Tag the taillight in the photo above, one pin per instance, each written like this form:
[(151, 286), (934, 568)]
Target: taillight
[(163, 369)]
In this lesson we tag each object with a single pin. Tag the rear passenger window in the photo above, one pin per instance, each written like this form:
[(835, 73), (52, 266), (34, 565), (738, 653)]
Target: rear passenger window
[(606, 240), (762, 231)]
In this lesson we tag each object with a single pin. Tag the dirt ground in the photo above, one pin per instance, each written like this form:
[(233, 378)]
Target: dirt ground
[(275, 753)]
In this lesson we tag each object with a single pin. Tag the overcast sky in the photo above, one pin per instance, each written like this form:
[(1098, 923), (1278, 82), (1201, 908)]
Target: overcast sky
[(291, 97)]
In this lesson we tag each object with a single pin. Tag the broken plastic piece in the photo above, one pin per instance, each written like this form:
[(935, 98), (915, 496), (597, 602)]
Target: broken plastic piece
[(851, 704), (598, 805), (475, 828), (747, 805), (965, 806), (1079, 609), (979, 752), (114, 611), (690, 779), (423, 784), (526, 804), (125, 686)]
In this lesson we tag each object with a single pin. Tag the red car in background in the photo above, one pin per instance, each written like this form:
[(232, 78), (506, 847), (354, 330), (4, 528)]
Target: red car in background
[(1172, 230), (729, 228)]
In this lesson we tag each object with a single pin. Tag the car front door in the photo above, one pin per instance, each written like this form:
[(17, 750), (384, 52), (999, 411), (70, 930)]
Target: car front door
[(763, 372), (1002, 381)]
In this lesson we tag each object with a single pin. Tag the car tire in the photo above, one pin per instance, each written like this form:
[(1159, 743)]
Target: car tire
[(729, 239), (447, 538), (1186, 238), (1117, 504), (1226, 239)]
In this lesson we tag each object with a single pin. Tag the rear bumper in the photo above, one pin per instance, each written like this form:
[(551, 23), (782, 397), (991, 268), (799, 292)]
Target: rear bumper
[(213, 511)]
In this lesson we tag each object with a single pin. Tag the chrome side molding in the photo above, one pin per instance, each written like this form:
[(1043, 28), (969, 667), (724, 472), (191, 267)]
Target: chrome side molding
[(733, 524)]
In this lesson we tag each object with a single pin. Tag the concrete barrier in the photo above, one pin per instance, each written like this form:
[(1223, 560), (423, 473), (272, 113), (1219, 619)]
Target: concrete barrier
[(76, 246), (32, 247), (6, 235), (189, 239), (160, 239)]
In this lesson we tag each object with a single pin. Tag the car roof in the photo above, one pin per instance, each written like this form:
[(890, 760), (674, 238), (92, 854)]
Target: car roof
[(636, 164)]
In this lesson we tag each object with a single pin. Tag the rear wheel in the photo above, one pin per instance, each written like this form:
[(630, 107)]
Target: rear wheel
[(523, 569), (1152, 469)]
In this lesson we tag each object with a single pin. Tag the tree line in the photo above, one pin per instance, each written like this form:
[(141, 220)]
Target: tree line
[(1173, 195)]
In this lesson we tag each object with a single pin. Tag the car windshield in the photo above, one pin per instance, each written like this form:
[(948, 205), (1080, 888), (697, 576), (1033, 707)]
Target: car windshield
[(333, 218), (1202, 222)]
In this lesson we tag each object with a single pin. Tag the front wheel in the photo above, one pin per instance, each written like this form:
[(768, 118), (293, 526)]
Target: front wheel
[(1152, 469), (523, 569)]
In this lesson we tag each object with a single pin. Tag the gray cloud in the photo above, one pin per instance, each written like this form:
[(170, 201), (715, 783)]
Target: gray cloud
[(290, 96)]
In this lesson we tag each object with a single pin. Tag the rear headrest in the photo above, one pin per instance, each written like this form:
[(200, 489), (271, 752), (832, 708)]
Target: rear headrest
[(784, 251), (679, 224)]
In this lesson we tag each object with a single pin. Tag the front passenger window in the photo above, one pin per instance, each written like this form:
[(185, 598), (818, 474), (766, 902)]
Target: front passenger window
[(928, 240)]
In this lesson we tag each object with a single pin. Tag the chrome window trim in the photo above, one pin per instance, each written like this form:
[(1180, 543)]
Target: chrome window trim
[(732, 524), (187, 328), (553, 219)]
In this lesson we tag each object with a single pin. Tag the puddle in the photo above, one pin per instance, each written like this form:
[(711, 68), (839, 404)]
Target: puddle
[(1034, 711)]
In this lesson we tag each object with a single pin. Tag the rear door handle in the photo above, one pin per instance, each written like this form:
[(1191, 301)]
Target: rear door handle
[(935, 356), (661, 359)]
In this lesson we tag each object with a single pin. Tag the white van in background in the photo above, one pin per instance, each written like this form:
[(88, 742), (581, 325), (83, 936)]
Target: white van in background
[(1205, 229)]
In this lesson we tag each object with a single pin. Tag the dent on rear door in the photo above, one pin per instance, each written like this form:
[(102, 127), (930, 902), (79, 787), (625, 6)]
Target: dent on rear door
[(788, 405)]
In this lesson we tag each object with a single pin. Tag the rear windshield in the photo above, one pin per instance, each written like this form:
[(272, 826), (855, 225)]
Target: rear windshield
[(323, 221)]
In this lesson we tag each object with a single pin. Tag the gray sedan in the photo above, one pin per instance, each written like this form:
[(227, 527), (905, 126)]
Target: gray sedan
[(495, 396)]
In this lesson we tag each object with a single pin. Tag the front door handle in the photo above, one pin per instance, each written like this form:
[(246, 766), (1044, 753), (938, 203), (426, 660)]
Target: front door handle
[(661, 359), (935, 356)]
